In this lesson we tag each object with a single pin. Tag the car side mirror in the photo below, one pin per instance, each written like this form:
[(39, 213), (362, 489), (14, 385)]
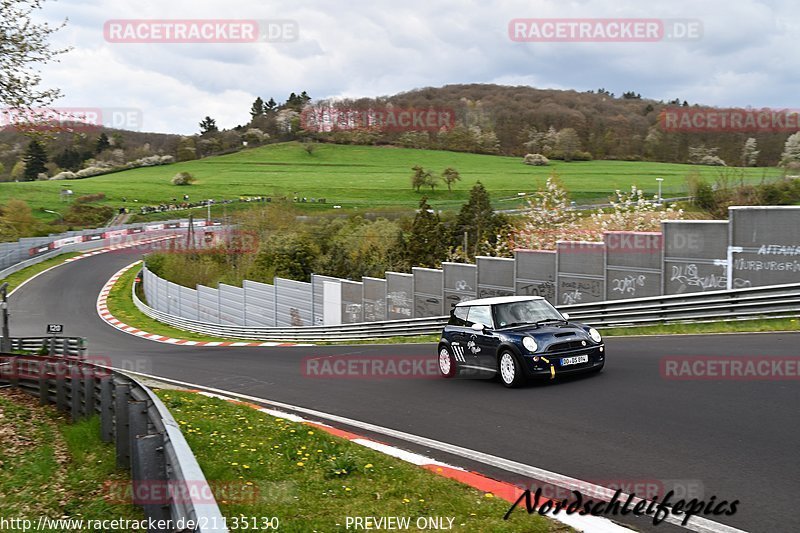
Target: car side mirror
[(477, 326), (565, 315)]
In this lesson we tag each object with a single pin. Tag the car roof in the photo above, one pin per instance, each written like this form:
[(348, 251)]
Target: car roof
[(498, 300)]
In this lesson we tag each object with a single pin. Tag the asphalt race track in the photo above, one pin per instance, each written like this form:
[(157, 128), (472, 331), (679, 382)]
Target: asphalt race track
[(735, 439)]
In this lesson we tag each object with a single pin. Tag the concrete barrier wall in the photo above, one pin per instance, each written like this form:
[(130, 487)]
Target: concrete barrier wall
[(460, 283), (633, 264), (535, 273), (580, 276), (399, 296), (761, 243), (695, 255), (495, 276)]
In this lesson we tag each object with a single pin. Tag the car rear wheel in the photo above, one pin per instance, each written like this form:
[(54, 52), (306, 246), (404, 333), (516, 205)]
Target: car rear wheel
[(447, 363), (509, 370)]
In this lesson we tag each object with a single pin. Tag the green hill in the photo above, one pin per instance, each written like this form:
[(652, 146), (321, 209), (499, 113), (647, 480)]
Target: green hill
[(359, 177)]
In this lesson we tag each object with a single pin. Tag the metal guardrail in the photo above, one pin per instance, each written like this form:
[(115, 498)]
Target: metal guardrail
[(775, 301), (72, 346), (148, 440)]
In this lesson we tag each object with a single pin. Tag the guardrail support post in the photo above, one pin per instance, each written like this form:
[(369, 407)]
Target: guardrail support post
[(76, 392), (106, 409), (60, 375), (148, 468), (137, 424), (88, 392), (122, 393), (13, 378), (44, 383)]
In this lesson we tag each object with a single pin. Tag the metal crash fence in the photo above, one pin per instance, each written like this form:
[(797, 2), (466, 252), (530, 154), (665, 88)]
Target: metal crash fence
[(147, 438)]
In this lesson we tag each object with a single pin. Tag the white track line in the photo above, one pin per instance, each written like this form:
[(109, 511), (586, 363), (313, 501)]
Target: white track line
[(698, 524)]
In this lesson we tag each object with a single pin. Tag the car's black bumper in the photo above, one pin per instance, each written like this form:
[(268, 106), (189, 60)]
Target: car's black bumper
[(549, 364)]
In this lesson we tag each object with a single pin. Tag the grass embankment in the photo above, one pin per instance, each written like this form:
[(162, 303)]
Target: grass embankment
[(359, 178), (49, 467), (17, 278), (312, 481)]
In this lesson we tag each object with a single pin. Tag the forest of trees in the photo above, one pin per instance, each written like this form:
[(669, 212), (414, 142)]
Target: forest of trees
[(489, 119), (558, 124)]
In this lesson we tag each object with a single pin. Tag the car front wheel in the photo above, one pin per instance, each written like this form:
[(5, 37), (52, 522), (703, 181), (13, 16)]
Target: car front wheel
[(509, 370), (447, 364)]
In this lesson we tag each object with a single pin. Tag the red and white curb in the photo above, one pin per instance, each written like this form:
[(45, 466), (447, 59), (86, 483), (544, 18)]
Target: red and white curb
[(490, 487), (122, 246), (108, 318)]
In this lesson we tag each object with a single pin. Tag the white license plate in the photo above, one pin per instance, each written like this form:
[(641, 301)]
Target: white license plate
[(574, 360)]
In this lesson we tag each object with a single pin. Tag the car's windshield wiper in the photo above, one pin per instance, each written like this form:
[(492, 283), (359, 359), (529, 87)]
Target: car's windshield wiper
[(517, 324), (545, 320)]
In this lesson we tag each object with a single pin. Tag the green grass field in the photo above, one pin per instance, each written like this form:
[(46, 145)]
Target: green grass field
[(362, 177)]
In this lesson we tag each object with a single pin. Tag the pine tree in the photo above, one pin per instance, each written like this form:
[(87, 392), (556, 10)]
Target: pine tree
[(425, 247), (208, 125), (257, 109), (271, 105), (478, 220), (102, 143), (35, 161)]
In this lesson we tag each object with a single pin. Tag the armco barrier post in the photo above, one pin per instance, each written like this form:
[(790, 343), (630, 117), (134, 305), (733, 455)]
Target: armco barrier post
[(88, 394), (106, 409), (44, 384), (137, 424), (75, 390), (148, 466), (60, 377), (122, 393)]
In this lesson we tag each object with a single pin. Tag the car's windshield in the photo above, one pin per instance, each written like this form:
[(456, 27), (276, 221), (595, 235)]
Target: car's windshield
[(525, 312)]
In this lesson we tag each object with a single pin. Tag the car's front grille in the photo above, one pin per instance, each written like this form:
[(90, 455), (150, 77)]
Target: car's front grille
[(565, 346)]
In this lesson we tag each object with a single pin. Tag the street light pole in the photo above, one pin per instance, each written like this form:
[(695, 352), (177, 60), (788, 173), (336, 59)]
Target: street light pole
[(659, 180)]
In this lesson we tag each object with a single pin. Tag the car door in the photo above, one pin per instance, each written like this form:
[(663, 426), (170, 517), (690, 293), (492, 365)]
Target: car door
[(482, 346), (458, 334)]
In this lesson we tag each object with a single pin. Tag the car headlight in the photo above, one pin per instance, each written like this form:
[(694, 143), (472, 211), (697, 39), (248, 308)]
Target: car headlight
[(595, 335), (529, 344)]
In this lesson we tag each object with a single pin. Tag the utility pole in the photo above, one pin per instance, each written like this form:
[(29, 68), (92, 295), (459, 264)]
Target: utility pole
[(190, 233)]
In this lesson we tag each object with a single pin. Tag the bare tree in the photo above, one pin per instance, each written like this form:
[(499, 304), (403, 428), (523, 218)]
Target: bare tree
[(24, 46)]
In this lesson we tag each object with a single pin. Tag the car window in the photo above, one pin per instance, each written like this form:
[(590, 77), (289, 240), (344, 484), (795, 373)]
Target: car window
[(459, 317), (480, 314), (524, 312)]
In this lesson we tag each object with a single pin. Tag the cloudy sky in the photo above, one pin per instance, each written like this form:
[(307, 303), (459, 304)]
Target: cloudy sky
[(747, 55)]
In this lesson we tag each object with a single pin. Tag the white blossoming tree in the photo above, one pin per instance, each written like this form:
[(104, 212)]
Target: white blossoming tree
[(634, 212)]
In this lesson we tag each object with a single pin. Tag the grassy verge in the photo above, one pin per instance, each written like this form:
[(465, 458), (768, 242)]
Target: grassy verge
[(731, 326), (120, 304), (49, 467), (312, 481), (14, 280)]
